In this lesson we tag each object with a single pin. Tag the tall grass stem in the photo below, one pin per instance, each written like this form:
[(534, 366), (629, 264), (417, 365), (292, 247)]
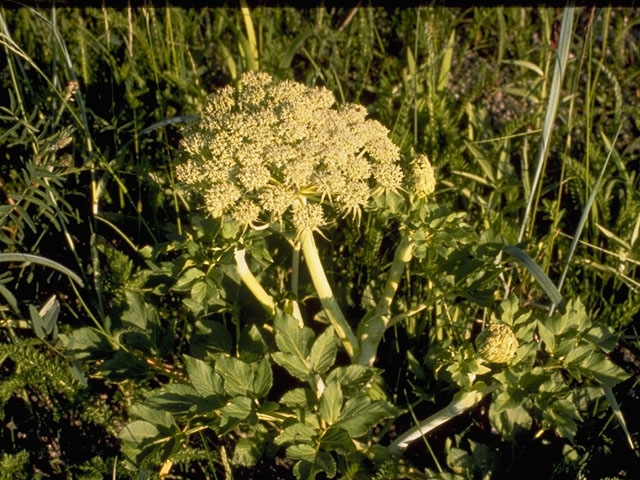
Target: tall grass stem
[(564, 45)]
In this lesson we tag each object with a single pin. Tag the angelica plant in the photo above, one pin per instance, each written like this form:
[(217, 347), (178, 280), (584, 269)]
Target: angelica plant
[(281, 158), (268, 152)]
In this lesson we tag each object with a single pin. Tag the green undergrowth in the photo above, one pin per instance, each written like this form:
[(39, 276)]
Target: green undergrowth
[(127, 329)]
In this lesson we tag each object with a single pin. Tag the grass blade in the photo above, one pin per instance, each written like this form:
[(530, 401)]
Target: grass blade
[(168, 121), (445, 66), (27, 257), (251, 46), (9, 298), (534, 269), (585, 213), (618, 414), (552, 107), (288, 55), (574, 242)]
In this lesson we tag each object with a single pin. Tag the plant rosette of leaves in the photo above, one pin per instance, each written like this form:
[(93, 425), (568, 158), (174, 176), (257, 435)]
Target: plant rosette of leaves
[(545, 382), (272, 158), (275, 158)]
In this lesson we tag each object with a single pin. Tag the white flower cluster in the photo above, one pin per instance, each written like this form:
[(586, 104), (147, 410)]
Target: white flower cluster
[(263, 145)]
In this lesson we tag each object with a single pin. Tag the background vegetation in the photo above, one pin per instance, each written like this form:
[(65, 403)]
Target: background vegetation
[(92, 105)]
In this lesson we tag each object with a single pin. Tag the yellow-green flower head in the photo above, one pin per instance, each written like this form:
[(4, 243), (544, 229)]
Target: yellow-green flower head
[(307, 216), (264, 144), (497, 343), (423, 178)]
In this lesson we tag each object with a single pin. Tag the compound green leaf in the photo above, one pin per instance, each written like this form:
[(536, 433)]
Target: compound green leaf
[(238, 408), (579, 353), (324, 461), (566, 408), (210, 337), (574, 317), (302, 451), (331, 403), (247, 452), (352, 378), (297, 433), (561, 416), (87, 342), (138, 313), (299, 397), (263, 378), (159, 418), (237, 375), (360, 414), (509, 422), (303, 470), (202, 377), (294, 365), (175, 398), (547, 336), (602, 369), (603, 337), (187, 279), (251, 345), (336, 438), (459, 460), (323, 351), (290, 338), (502, 401), (139, 432)]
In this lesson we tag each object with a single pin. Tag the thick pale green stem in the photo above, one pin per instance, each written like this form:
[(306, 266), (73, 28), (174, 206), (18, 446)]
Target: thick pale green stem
[(321, 284), (295, 269), (455, 408), (252, 282), (402, 256), (373, 326)]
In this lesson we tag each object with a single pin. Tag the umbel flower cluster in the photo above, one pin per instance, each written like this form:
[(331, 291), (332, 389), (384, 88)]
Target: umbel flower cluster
[(497, 343), (264, 149)]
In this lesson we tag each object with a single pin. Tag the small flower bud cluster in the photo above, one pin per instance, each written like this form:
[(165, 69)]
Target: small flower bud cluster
[(497, 343), (262, 145), (423, 178), (307, 216)]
